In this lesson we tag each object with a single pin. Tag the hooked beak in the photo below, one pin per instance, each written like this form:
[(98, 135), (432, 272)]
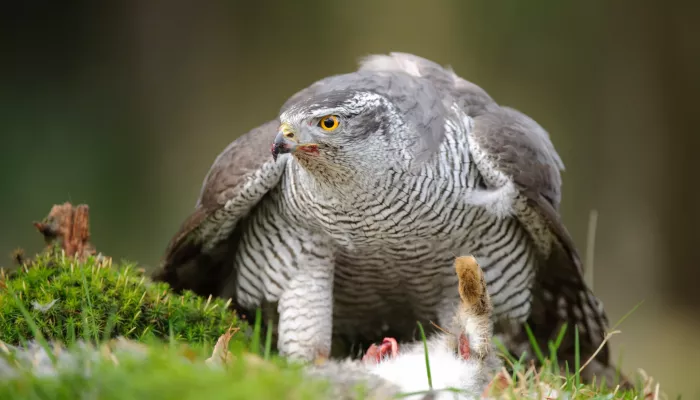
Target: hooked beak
[(286, 141)]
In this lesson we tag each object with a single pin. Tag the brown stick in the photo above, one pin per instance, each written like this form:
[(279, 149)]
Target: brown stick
[(71, 227)]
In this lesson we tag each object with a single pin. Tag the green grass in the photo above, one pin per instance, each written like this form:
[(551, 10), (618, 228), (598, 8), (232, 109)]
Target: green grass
[(163, 373), (97, 301)]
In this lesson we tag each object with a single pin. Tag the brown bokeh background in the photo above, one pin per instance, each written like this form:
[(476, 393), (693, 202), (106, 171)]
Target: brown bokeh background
[(125, 105)]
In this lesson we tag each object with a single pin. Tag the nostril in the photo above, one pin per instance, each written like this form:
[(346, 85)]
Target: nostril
[(289, 135)]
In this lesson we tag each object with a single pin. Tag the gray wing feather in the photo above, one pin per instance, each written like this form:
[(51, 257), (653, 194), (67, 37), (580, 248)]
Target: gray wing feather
[(239, 177), (246, 160), (472, 98), (520, 149), (517, 144), (453, 89)]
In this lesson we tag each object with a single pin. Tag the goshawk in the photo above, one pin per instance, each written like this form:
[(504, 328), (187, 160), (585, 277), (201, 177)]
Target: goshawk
[(347, 210)]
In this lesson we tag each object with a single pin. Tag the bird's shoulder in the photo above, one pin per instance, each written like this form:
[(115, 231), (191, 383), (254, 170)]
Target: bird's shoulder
[(469, 96), (520, 148), (237, 179), (508, 139), (244, 160)]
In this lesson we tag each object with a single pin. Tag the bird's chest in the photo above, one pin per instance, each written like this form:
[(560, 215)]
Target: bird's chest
[(399, 211)]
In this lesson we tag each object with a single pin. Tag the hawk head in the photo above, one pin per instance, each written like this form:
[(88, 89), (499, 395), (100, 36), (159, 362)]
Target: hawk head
[(362, 125)]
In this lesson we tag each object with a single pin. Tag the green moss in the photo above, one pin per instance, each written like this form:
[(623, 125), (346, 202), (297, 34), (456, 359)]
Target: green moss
[(163, 373), (96, 300)]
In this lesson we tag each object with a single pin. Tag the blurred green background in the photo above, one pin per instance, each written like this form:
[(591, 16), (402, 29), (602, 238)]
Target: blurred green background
[(124, 106)]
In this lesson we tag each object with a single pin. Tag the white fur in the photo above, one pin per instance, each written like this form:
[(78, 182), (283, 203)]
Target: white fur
[(408, 372)]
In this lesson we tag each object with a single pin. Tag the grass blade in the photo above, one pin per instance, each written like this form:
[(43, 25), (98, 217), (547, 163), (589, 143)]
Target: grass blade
[(560, 337), (624, 317), (111, 322), (534, 344), (255, 341), (71, 331), (427, 360), (519, 366), (554, 348), (268, 340), (89, 326), (171, 333), (502, 348), (553, 357)]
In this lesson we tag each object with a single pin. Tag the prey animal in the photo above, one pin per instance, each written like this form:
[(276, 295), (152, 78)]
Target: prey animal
[(462, 360), (343, 214)]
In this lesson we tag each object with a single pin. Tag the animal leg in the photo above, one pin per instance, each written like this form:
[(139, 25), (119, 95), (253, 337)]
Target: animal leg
[(475, 309), (306, 307)]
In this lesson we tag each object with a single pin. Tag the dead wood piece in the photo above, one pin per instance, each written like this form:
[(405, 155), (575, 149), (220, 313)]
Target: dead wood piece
[(70, 226)]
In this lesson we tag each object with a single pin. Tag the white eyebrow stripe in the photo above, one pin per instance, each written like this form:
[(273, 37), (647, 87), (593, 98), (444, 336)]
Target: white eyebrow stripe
[(325, 111)]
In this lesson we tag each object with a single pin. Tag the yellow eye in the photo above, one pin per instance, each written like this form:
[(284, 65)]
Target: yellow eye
[(329, 123)]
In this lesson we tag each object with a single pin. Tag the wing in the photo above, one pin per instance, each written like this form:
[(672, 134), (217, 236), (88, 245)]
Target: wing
[(520, 149), (199, 256)]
